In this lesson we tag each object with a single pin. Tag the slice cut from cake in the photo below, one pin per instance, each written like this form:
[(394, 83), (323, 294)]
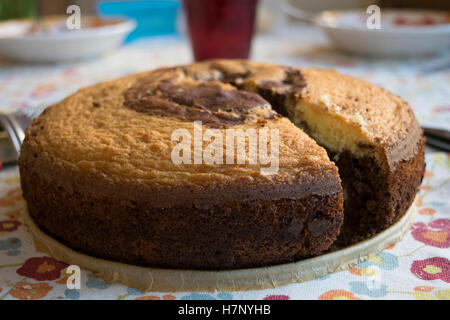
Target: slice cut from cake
[(375, 140), (371, 134)]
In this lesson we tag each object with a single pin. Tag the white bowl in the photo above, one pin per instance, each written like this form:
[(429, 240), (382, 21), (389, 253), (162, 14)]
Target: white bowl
[(348, 31), (60, 46)]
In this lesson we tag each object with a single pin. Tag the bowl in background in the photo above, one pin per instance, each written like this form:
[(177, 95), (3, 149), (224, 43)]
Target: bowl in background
[(403, 33), (18, 43)]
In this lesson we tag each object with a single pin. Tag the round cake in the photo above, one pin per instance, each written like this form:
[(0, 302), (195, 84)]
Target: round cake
[(122, 170)]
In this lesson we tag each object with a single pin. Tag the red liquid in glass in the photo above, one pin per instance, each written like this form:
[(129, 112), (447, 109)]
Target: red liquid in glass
[(220, 28)]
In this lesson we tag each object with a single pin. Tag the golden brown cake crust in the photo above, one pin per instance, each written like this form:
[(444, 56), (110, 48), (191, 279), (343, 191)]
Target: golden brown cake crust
[(92, 142), (98, 164), (385, 120)]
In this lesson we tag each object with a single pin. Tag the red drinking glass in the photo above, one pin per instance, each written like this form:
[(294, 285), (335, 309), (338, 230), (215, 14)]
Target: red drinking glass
[(220, 28)]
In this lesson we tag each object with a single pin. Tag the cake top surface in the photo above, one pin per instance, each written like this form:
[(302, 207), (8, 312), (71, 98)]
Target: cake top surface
[(382, 119), (122, 131)]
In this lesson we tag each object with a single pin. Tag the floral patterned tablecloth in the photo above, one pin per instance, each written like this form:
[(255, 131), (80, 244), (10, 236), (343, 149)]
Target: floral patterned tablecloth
[(418, 267)]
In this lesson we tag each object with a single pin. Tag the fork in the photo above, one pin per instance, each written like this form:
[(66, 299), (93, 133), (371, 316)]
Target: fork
[(12, 134)]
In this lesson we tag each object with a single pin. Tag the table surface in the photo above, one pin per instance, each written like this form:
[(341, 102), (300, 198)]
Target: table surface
[(418, 267)]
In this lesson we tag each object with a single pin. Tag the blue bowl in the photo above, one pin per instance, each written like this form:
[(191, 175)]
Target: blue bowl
[(153, 17)]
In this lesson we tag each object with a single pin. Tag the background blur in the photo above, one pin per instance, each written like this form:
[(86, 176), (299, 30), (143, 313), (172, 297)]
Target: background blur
[(161, 17)]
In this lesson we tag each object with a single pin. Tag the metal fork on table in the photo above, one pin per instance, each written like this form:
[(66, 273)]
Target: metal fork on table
[(12, 133)]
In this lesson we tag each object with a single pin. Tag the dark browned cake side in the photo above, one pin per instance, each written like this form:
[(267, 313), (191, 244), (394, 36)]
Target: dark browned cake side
[(374, 198), (234, 234)]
